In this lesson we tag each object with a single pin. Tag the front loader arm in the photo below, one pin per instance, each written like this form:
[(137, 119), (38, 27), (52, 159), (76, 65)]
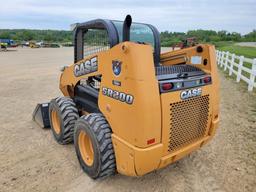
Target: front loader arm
[(74, 73)]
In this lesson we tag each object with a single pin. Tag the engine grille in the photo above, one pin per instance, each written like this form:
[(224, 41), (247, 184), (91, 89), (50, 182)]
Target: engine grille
[(172, 69), (188, 121)]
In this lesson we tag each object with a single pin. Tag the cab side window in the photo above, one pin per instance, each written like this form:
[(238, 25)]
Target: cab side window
[(95, 40)]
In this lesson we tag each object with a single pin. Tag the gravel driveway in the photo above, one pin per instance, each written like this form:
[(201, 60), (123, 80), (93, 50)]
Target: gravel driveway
[(32, 161)]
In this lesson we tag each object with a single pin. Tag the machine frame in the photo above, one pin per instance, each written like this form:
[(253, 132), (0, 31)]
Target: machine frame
[(154, 108)]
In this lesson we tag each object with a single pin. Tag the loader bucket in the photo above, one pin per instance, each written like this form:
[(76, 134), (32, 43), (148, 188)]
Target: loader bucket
[(41, 115)]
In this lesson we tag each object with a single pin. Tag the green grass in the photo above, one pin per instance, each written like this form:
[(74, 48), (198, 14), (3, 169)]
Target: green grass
[(249, 52)]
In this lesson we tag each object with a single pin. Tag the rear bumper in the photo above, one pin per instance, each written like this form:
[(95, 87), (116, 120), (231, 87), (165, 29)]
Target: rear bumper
[(134, 161)]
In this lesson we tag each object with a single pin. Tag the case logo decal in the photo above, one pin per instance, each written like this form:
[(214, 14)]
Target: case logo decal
[(190, 93), (120, 96), (87, 66), (116, 67)]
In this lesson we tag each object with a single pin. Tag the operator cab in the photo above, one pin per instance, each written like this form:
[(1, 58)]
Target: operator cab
[(99, 35)]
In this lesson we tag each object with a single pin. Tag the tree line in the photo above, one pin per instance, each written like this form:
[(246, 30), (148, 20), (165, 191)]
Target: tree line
[(207, 36), (167, 38), (36, 35)]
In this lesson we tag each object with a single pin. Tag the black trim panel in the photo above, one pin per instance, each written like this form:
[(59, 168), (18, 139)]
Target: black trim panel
[(81, 28), (157, 44), (86, 98)]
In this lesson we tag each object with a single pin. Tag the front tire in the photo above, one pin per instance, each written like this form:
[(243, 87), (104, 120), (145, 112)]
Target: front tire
[(93, 144), (63, 114)]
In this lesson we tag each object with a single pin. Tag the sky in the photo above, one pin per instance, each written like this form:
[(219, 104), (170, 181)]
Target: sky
[(171, 15)]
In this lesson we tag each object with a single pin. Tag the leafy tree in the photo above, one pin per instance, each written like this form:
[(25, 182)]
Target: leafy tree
[(251, 36), (5, 35)]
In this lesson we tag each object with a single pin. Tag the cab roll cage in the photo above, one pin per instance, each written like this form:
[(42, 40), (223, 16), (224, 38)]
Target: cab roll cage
[(113, 37)]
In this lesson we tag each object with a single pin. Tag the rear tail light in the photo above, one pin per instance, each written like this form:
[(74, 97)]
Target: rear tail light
[(167, 86), (207, 79)]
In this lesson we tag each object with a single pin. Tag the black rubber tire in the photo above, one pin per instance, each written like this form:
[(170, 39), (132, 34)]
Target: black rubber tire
[(68, 114), (99, 131)]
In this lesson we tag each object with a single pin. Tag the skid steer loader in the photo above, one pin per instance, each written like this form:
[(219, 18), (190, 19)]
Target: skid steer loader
[(127, 107)]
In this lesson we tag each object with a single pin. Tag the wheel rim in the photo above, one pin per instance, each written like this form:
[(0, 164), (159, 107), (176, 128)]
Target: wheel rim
[(55, 121), (85, 147)]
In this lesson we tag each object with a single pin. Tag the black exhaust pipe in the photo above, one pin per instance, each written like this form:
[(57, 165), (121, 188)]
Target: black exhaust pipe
[(126, 28)]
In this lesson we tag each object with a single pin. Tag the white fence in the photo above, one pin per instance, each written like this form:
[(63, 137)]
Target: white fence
[(243, 68)]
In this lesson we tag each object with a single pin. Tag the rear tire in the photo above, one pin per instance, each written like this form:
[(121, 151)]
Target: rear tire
[(63, 114), (93, 144)]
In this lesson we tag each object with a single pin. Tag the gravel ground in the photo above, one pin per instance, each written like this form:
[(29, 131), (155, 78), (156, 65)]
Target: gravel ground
[(32, 161)]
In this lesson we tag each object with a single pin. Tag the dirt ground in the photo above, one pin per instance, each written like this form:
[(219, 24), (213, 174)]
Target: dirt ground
[(30, 160)]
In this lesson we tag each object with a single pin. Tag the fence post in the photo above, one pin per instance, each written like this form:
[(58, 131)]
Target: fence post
[(219, 56), (231, 64), (222, 58), (239, 72), (252, 75), (226, 61)]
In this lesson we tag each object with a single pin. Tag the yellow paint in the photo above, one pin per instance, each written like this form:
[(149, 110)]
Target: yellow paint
[(148, 117), (55, 121), (86, 148)]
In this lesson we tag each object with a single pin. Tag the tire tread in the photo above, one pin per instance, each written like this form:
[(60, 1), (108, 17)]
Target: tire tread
[(102, 131), (69, 115)]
